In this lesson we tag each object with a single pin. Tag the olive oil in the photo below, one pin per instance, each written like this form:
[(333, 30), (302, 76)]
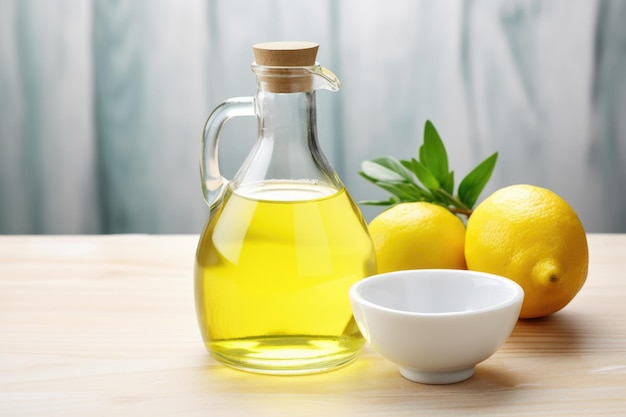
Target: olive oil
[(272, 277)]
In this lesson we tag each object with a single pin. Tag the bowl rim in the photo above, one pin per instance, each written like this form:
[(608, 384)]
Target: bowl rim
[(517, 297)]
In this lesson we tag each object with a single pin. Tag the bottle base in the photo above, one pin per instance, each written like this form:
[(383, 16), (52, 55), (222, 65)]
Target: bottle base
[(282, 355)]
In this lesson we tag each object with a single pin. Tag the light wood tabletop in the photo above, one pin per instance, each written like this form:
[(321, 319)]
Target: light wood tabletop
[(106, 326)]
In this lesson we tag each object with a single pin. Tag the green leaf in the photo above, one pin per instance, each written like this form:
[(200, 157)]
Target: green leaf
[(474, 183), (449, 200), (392, 201), (448, 184), (375, 171), (407, 164), (397, 191), (386, 168), (402, 190), (432, 153), (425, 175)]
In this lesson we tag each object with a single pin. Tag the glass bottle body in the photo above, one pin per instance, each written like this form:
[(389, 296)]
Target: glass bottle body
[(272, 278)]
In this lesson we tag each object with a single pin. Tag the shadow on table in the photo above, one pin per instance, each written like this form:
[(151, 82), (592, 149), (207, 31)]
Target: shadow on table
[(557, 333)]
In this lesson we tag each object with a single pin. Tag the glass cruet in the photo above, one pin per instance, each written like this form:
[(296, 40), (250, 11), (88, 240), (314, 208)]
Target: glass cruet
[(284, 240)]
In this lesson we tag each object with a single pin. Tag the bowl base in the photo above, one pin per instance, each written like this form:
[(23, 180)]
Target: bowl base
[(437, 377)]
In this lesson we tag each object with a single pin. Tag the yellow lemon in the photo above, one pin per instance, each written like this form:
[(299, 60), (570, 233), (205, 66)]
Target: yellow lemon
[(532, 236), (417, 236)]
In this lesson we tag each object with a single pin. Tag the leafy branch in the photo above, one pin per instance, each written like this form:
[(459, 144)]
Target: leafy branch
[(427, 178)]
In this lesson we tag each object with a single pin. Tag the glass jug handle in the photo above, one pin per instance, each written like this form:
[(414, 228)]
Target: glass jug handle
[(212, 181)]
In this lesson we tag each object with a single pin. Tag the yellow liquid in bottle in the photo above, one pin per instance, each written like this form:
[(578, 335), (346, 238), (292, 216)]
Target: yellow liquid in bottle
[(273, 269)]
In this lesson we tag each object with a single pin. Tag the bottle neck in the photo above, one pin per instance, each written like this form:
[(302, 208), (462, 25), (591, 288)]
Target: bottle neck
[(288, 126), (287, 118), (287, 147)]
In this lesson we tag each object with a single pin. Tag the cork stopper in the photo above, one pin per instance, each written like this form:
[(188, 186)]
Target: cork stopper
[(280, 57), (285, 54)]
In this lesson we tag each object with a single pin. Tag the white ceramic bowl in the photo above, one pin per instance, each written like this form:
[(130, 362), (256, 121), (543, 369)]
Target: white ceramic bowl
[(436, 324)]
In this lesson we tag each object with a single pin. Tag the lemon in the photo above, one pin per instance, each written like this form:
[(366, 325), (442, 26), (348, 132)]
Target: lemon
[(417, 235), (532, 236)]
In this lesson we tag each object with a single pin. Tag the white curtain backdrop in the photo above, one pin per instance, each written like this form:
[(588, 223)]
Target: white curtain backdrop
[(102, 102)]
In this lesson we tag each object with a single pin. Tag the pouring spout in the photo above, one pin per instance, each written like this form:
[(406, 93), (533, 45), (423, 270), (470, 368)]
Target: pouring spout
[(324, 79)]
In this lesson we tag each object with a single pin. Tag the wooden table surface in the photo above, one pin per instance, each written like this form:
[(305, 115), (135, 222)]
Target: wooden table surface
[(106, 326)]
